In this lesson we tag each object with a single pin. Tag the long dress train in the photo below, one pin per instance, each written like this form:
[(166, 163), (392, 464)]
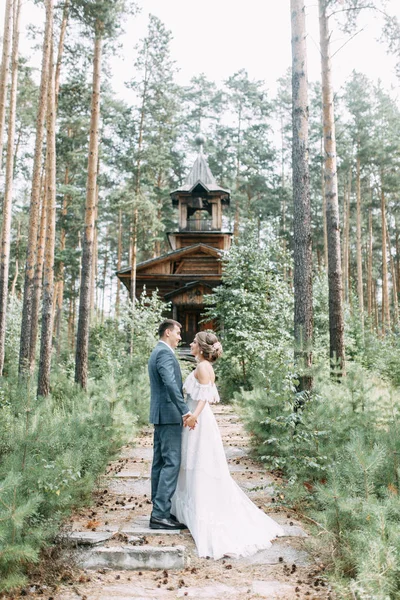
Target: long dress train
[(219, 515)]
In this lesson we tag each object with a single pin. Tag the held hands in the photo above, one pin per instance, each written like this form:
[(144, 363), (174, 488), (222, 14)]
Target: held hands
[(190, 421)]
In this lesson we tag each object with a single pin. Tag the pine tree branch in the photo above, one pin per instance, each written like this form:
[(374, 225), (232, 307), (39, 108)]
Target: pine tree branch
[(347, 41), (370, 6)]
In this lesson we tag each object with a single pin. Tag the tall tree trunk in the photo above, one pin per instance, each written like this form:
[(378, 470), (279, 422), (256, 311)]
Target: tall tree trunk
[(5, 69), (34, 209), (37, 287), (394, 282), (59, 293), (82, 340), (60, 52), (301, 196), (369, 269), (325, 225), (94, 289), (105, 266), (348, 237), (46, 341), (376, 311), (345, 242), (397, 242), (385, 284), (237, 207), (7, 203), (17, 244), (336, 323), (119, 262), (360, 291), (135, 214), (283, 204)]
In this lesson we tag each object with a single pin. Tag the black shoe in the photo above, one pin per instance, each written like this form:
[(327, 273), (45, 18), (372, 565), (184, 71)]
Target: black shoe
[(175, 520), (156, 523)]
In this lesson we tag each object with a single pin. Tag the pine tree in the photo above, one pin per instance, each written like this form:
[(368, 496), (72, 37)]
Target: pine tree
[(5, 66), (102, 20), (26, 324), (301, 195), (7, 202), (336, 323), (48, 267)]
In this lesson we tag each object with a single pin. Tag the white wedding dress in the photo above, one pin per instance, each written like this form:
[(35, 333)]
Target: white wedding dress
[(219, 515)]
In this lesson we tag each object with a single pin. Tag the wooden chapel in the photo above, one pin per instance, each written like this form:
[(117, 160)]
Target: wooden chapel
[(192, 268)]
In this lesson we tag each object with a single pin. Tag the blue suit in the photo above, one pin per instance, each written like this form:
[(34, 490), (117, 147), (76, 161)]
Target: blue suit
[(167, 407)]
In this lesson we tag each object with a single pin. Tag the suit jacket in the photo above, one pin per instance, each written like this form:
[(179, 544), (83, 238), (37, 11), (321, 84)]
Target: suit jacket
[(167, 405)]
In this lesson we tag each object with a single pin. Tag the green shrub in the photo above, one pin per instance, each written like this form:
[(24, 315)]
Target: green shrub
[(53, 449)]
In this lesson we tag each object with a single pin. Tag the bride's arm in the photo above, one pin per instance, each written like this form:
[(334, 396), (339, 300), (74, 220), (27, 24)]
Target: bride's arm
[(203, 377), (192, 420)]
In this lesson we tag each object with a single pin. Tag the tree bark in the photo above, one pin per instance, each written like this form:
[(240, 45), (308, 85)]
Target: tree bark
[(37, 287), (369, 268), (135, 214), (303, 324), (46, 342), (105, 267), (325, 225), (385, 284), (397, 241), (82, 340), (5, 69), (345, 242), (336, 323), (119, 261), (34, 209), (59, 293), (360, 291), (17, 244), (60, 52), (7, 202), (394, 282)]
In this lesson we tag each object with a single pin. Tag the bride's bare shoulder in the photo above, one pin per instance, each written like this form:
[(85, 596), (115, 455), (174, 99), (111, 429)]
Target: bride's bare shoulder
[(205, 372)]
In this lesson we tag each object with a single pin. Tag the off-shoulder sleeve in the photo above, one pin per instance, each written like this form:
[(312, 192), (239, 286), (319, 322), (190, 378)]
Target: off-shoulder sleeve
[(198, 391)]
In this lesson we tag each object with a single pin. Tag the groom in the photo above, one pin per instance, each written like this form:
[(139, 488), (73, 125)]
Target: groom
[(168, 411)]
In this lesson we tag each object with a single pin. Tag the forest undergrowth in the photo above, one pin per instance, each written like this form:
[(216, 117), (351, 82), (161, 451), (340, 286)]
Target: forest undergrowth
[(53, 449), (336, 448)]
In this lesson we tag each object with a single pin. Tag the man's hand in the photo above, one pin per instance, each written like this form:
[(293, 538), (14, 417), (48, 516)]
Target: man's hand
[(190, 422)]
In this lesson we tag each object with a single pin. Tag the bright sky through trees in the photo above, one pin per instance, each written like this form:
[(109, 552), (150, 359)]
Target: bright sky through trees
[(219, 37)]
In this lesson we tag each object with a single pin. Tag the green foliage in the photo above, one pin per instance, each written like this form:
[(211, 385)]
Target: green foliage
[(253, 310), (53, 449), (338, 448)]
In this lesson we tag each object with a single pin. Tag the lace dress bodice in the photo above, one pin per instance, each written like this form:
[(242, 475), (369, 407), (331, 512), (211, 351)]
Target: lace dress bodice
[(198, 391)]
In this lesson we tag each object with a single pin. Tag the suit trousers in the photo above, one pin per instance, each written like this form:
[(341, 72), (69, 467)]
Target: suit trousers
[(165, 467)]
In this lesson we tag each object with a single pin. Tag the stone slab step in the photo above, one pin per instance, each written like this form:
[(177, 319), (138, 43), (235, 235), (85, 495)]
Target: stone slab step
[(235, 452), (273, 590), (130, 487), (130, 475), (147, 531), (87, 538), (94, 538), (133, 558), (277, 553)]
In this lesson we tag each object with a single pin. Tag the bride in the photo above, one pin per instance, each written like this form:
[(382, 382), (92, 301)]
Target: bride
[(219, 515)]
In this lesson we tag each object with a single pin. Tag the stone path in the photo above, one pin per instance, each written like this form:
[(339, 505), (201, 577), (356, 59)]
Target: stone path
[(122, 559)]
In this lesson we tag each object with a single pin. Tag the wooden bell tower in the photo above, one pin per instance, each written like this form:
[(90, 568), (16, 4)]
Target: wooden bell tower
[(200, 202), (193, 266)]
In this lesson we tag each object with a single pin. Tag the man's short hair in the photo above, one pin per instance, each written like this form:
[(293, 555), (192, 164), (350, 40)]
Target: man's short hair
[(167, 324)]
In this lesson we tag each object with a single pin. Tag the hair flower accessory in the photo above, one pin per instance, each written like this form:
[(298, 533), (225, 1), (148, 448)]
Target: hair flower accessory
[(217, 346)]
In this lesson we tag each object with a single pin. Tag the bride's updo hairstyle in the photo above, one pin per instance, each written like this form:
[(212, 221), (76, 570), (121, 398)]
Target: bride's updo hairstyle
[(210, 347)]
